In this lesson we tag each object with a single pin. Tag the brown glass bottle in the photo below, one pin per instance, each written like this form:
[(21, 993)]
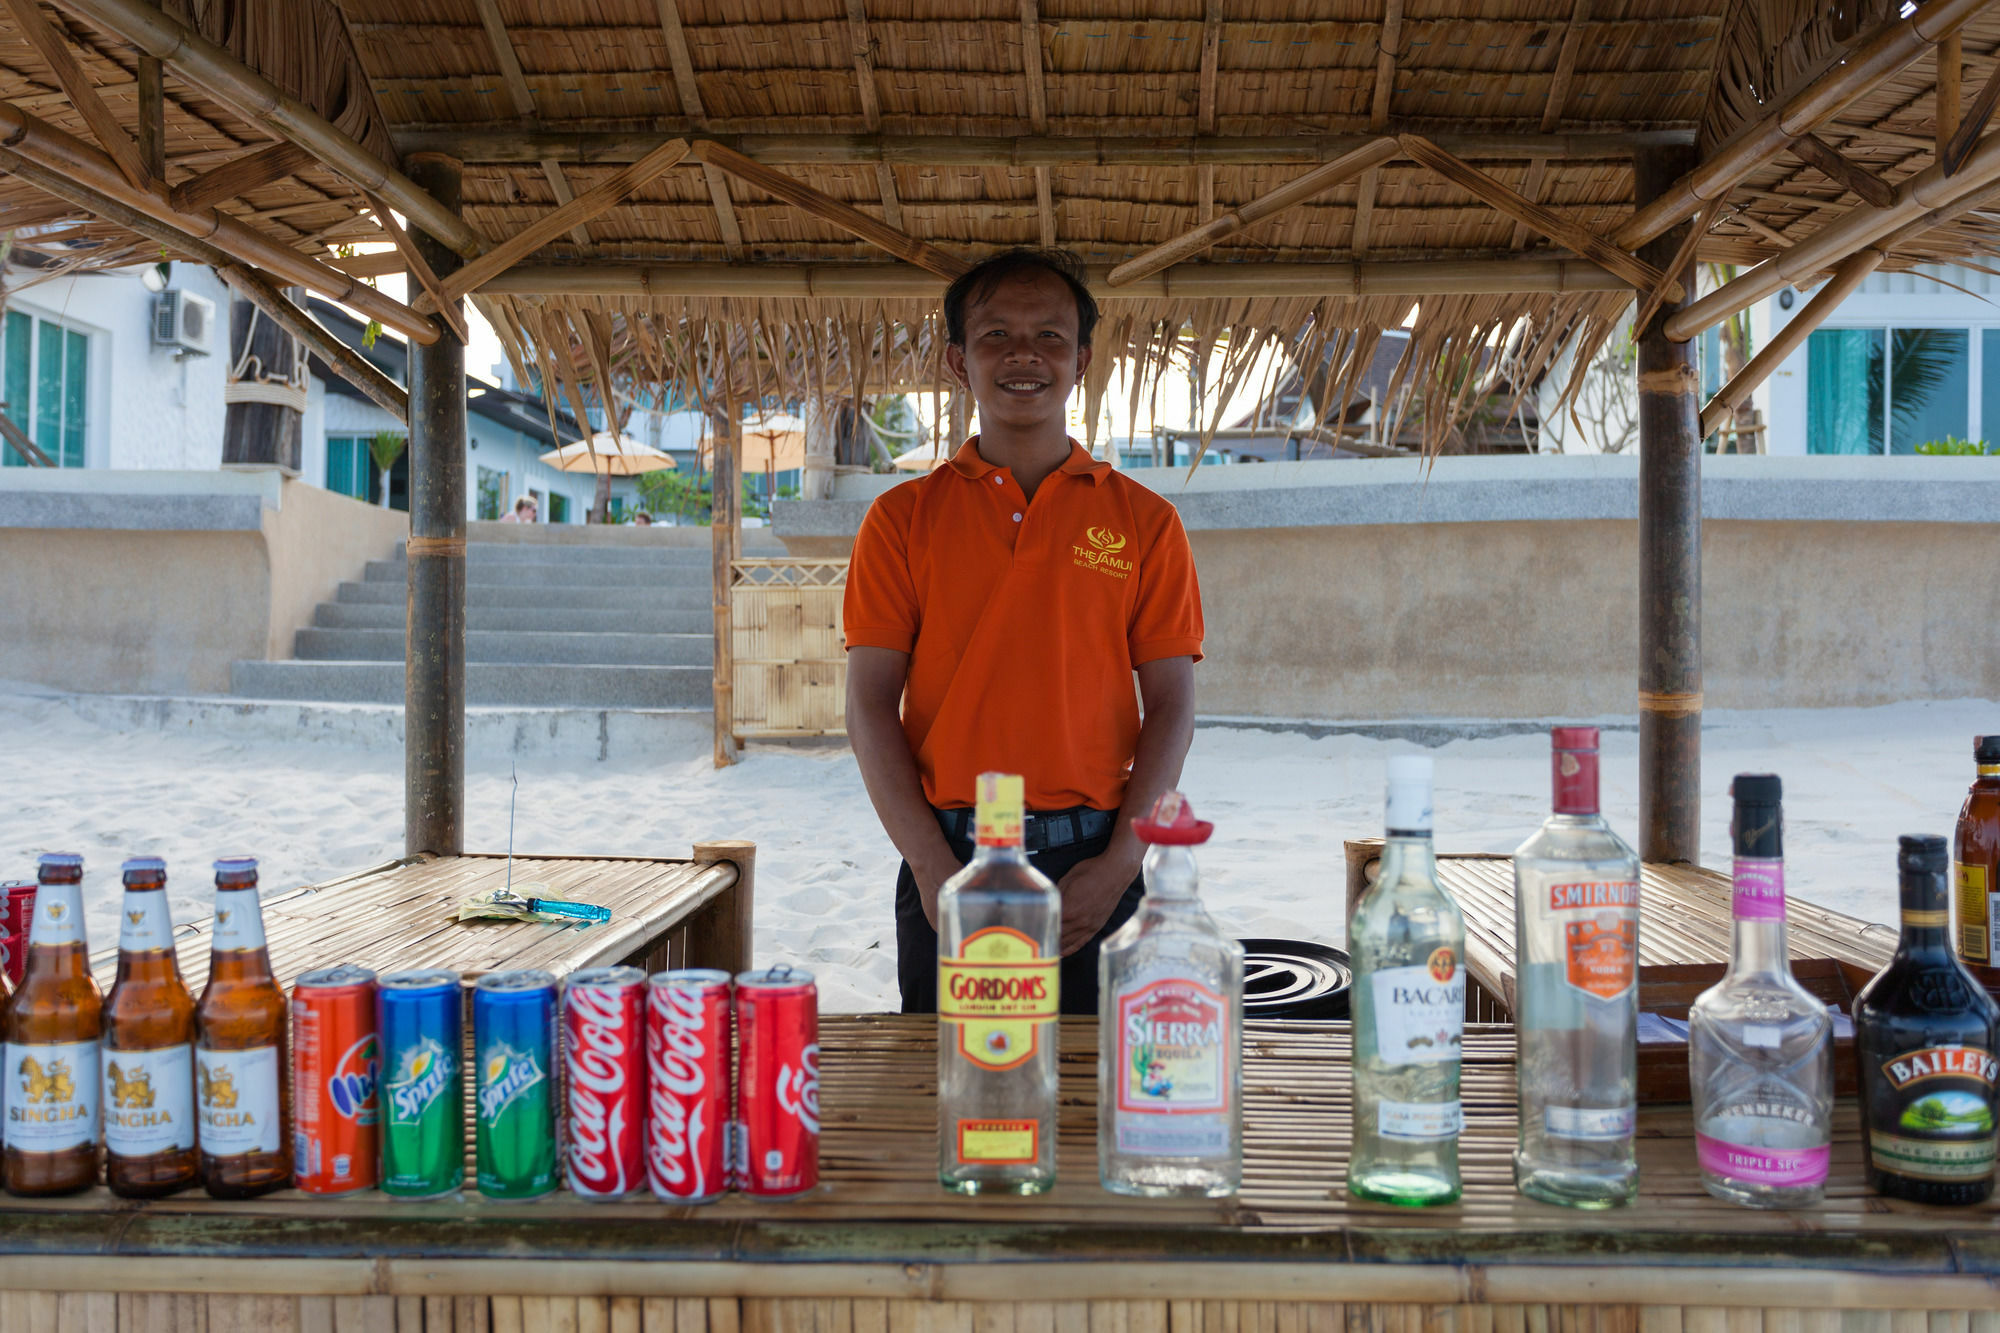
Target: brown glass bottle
[(243, 1099), (149, 1147), (1975, 864), (53, 1027)]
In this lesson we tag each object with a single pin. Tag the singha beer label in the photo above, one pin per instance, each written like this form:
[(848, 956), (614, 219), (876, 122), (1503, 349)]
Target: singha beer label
[(236, 1096), (58, 920), (144, 924), (1173, 1070), (51, 1094), (148, 1100), (1933, 1118), (999, 993), (239, 920), (1600, 935)]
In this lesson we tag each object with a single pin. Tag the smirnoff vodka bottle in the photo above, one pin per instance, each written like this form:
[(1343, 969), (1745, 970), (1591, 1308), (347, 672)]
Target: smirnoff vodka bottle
[(1170, 1030), (999, 960), (1407, 943), (1576, 954), (1760, 1047)]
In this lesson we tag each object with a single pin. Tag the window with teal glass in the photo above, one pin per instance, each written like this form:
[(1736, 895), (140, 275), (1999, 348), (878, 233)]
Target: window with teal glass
[(1930, 386), (1844, 382), (350, 470), (49, 388), (558, 507), (1989, 377), (76, 376), (17, 352), (45, 374)]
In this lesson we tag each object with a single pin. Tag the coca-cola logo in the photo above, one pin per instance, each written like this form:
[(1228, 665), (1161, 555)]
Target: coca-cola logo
[(595, 1061), (676, 1149), (798, 1089)]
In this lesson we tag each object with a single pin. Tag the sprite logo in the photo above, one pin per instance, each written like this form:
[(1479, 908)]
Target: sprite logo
[(505, 1075), (421, 1075)]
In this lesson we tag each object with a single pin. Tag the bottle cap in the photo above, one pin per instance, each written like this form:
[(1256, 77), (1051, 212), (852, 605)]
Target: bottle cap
[(1922, 854), (236, 868), (59, 861), (1986, 749), (1409, 801), (143, 865), (1574, 738), (1171, 823), (1574, 761), (1758, 823)]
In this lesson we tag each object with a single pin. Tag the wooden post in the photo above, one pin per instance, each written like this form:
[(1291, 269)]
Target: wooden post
[(720, 935), (725, 526), (434, 683), (1669, 555), (1361, 854)]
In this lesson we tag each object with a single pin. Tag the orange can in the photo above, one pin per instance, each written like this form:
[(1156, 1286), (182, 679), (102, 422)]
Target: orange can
[(335, 1068)]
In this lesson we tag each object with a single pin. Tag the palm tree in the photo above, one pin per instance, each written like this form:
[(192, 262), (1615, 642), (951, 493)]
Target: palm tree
[(385, 448)]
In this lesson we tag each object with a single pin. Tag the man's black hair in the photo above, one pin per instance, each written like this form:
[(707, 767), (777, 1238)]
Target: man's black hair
[(980, 281)]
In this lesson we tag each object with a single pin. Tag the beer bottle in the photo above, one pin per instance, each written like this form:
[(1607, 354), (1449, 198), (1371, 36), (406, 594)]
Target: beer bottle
[(243, 1096), (53, 1026), (148, 1048)]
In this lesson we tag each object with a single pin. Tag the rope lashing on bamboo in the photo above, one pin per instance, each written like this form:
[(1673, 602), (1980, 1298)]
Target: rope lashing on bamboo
[(436, 546), (1668, 704), (265, 391)]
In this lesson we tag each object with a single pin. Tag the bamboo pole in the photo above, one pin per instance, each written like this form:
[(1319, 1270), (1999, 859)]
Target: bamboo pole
[(419, 268), (725, 492), (1888, 51), (1317, 181), (1550, 224), (1788, 339), (349, 364), (239, 176), (1929, 189), (828, 209), (83, 96), (1827, 161), (1950, 75), (1952, 154), (219, 73), (36, 141), (720, 935)]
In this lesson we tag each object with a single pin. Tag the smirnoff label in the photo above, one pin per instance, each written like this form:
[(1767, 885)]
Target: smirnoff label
[(148, 1100), (58, 920), (144, 924), (1935, 1118), (237, 1100), (1600, 921), (1419, 1012), (239, 920), (1172, 1069), (999, 992), (52, 1092)]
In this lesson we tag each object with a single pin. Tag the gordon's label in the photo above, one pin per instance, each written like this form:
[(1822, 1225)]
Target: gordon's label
[(1173, 1069), (1975, 913), (1757, 890), (144, 924), (1419, 1012), (58, 917), (52, 1094), (236, 1098), (148, 1100), (997, 811), (986, 1142), (1599, 1123), (239, 920), (1419, 1120), (999, 992), (1783, 1167)]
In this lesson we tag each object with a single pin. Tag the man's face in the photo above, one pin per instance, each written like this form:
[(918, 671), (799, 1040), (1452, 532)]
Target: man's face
[(1021, 357)]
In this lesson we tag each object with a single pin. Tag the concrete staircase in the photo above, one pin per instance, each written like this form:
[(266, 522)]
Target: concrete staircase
[(548, 625)]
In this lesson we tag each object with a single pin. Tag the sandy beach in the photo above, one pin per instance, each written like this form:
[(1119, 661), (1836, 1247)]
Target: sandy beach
[(1282, 801)]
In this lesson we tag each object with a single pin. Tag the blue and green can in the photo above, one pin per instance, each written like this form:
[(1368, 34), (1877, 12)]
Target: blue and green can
[(513, 1031), (419, 1026)]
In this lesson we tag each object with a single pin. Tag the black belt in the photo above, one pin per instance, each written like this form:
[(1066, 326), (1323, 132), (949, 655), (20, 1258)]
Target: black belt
[(1042, 829)]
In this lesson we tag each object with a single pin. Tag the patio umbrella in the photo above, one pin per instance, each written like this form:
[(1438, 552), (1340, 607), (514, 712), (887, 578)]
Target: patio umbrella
[(778, 442), (608, 454)]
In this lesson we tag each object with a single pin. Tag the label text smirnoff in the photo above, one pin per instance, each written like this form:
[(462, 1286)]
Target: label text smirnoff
[(1588, 894), (676, 1150), (596, 1064)]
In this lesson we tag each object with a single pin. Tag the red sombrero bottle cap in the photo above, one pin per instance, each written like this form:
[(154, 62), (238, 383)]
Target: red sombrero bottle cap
[(1172, 822)]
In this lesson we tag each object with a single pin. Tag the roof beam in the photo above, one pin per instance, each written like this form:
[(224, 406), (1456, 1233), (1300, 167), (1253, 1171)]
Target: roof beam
[(1952, 154), (523, 98), (83, 95), (419, 268), (682, 62), (864, 64), (1787, 340), (1823, 158), (1950, 76), (1031, 66), (1388, 47), (1553, 107), (238, 176)]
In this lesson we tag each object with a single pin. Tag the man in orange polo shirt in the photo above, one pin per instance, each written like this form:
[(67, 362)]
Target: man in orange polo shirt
[(997, 611)]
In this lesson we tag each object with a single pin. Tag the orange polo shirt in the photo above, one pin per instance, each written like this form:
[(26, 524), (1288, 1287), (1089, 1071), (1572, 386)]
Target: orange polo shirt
[(1024, 621)]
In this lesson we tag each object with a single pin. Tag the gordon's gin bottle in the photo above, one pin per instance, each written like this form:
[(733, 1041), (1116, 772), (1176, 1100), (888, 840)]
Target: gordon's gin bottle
[(1760, 1046), (1170, 1029), (1407, 942), (53, 1028), (999, 965), (1576, 955)]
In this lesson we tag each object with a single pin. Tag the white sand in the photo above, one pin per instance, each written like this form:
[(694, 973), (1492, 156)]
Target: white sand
[(1282, 803)]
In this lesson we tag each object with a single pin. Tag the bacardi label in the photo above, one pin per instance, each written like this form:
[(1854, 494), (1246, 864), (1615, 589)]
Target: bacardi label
[(1173, 1070), (238, 1100), (144, 924), (148, 1100), (1936, 1123), (1419, 1120), (1600, 921), (1419, 1012), (239, 920), (1000, 993), (51, 1093)]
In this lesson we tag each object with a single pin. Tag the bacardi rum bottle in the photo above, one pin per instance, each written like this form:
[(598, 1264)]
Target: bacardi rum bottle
[(1576, 954), (1170, 1029), (1407, 943), (1924, 1044), (1760, 1045), (999, 960)]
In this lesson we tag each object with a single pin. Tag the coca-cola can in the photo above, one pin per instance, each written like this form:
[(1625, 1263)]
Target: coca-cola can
[(604, 1092), (777, 1136), (689, 1089)]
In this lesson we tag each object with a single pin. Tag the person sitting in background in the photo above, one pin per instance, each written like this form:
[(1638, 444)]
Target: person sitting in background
[(642, 519), (524, 511)]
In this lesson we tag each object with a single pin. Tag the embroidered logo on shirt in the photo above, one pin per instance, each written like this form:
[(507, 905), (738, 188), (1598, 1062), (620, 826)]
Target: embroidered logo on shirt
[(1099, 551)]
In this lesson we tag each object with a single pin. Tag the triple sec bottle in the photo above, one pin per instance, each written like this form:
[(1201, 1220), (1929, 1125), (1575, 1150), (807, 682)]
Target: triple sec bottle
[(148, 1048), (999, 969)]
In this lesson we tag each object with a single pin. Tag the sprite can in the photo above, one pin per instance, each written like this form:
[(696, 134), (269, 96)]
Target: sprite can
[(513, 1033), (419, 1030)]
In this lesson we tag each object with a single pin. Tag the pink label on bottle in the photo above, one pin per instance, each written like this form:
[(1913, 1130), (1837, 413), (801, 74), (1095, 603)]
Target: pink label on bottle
[(1788, 1167), (1760, 889)]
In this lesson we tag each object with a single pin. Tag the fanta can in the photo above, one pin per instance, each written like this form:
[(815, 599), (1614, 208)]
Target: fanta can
[(419, 1024), (336, 1062), (514, 1041)]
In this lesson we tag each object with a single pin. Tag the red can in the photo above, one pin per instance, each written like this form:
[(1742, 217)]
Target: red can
[(19, 905), (336, 1068), (604, 1095), (777, 1025), (688, 1093)]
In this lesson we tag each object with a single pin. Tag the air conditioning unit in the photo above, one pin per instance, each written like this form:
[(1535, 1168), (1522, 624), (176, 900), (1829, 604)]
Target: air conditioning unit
[(185, 321)]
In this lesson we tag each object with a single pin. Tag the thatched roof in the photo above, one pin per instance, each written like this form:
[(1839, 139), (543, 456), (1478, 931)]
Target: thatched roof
[(970, 125)]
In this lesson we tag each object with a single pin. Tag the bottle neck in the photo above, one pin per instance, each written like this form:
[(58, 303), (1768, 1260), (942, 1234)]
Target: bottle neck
[(1926, 919), (146, 936), (1407, 854), (1171, 874), (1759, 910), (994, 853), (1574, 786), (58, 922)]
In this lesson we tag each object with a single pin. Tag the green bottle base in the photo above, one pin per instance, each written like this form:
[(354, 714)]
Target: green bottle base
[(1405, 1189)]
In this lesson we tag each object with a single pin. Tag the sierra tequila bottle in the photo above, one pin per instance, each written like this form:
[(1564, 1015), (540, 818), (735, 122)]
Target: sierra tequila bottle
[(1760, 1046), (1170, 1029), (999, 960), (1407, 943), (1576, 955)]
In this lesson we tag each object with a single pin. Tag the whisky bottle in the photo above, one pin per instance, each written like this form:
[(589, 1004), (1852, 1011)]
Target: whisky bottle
[(1924, 1034), (1760, 1045), (1975, 861), (1407, 943), (1170, 1029), (999, 968)]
